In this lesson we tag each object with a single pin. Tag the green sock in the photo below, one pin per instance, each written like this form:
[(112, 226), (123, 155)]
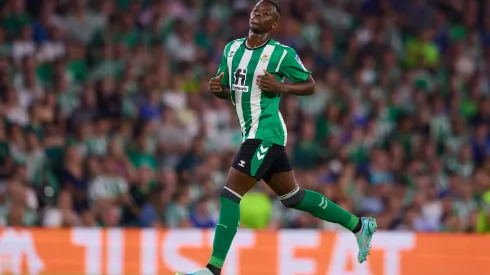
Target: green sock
[(229, 219), (319, 206)]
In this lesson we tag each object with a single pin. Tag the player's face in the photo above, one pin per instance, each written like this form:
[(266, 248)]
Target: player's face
[(263, 18)]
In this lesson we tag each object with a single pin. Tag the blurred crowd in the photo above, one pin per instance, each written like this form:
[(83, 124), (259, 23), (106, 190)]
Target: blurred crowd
[(107, 120)]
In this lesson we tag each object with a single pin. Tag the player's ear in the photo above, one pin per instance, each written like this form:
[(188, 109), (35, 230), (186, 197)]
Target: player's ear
[(275, 24)]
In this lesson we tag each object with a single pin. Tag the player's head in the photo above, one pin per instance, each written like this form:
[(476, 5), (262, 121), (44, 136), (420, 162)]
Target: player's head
[(265, 16)]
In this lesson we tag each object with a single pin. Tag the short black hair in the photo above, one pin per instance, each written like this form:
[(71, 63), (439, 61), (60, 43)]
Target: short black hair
[(275, 5)]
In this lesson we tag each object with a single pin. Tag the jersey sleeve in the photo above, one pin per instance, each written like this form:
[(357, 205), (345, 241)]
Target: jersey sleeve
[(223, 67), (292, 67)]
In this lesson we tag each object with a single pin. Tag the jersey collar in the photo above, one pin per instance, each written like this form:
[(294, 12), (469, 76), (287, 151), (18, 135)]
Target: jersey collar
[(248, 48)]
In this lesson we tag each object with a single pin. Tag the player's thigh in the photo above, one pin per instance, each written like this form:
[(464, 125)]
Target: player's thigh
[(251, 162), (280, 176), (239, 182)]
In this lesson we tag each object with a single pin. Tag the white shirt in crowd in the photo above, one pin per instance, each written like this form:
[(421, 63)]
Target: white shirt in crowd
[(107, 187)]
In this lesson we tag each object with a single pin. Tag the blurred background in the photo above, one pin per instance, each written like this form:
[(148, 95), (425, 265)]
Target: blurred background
[(106, 118)]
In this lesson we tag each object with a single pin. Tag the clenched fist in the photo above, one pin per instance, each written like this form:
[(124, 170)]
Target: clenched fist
[(269, 83), (215, 85)]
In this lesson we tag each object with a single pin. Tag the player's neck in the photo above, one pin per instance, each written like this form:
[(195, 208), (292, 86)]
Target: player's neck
[(256, 40)]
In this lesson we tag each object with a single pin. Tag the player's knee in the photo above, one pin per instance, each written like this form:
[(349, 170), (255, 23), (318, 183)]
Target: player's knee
[(231, 195), (293, 198)]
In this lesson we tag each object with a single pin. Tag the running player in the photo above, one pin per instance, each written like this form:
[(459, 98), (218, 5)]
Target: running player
[(251, 75)]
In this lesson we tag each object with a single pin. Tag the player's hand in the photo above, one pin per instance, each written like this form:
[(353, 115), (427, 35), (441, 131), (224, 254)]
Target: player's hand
[(215, 85), (269, 83)]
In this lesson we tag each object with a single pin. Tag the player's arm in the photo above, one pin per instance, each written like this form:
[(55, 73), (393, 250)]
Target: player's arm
[(219, 85), (290, 67), (217, 88), (268, 82), (301, 88)]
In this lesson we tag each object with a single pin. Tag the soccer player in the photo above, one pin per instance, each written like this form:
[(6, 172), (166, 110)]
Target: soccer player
[(251, 75)]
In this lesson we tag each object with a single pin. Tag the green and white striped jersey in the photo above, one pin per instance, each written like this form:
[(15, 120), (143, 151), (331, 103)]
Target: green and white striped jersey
[(258, 111)]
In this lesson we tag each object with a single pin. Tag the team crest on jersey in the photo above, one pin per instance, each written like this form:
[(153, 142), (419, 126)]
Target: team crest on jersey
[(264, 58)]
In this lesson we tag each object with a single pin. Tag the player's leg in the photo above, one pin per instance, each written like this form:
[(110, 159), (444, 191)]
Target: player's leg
[(237, 184), (252, 160), (249, 166), (291, 196), (280, 178)]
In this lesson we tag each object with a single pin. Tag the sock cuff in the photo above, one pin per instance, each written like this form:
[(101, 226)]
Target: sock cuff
[(293, 198), (216, 262), (353, 223), (231, 195), (290, 194)]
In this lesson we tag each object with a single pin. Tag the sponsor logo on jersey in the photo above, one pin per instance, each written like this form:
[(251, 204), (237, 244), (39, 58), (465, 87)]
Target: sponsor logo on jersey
[(299, 61), (231, 53), (265, 58), (238, 88), (240, 77)]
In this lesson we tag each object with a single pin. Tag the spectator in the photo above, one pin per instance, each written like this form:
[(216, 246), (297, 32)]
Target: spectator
[(62, 214), (200, 217), (104, 105), (152, 212), (422, 51), (53, 48), (139, 193), (23, 46), (73, 178), (177, 214), (17, 17), (107, 188), (81, 23)]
